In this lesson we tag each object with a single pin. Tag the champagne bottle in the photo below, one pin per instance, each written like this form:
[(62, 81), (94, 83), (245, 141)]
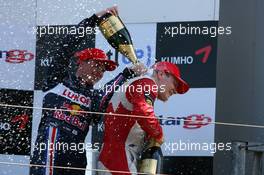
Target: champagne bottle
[(150, 158), (117, 35)]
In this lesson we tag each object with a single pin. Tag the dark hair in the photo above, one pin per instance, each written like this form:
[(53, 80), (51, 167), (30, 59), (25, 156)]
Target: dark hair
[(73, 64)]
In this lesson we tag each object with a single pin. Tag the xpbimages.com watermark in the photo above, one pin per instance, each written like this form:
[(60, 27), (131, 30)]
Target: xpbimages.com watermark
[(62, 146), (187, 29), (138, 88), (66, 30), (172, 147), (168, 147)]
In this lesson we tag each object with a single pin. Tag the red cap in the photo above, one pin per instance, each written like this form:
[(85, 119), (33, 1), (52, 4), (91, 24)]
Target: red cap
[(98, 55), (168, 67)]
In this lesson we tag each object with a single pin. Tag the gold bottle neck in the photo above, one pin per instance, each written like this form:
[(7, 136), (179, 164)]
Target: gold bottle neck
[(110, 26)]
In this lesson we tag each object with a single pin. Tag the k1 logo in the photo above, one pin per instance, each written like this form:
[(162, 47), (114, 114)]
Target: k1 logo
[(16, 56)]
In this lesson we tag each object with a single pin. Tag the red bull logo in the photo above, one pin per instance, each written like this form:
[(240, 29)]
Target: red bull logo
[(72, 119), (73, 109)]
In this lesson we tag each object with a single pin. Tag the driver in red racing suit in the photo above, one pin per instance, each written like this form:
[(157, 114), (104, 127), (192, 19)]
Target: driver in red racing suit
[(124, 136)]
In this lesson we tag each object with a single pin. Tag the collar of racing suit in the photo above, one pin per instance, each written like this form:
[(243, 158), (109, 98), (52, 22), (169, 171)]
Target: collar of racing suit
[(75, 82)]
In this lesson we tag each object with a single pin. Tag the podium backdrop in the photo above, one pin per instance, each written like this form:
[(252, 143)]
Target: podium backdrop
[(25, 57)]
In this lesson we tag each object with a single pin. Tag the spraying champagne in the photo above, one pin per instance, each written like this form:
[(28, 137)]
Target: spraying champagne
[(117, 35)]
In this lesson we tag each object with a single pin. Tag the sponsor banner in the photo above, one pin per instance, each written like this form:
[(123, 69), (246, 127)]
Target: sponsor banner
[(51, 64), (15, 123), (192, 46), (190, 116), (17, 57)]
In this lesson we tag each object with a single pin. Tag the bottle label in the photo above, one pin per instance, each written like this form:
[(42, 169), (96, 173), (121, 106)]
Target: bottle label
[(148, 166), (110, 26), (128, 51), (152, 143)]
